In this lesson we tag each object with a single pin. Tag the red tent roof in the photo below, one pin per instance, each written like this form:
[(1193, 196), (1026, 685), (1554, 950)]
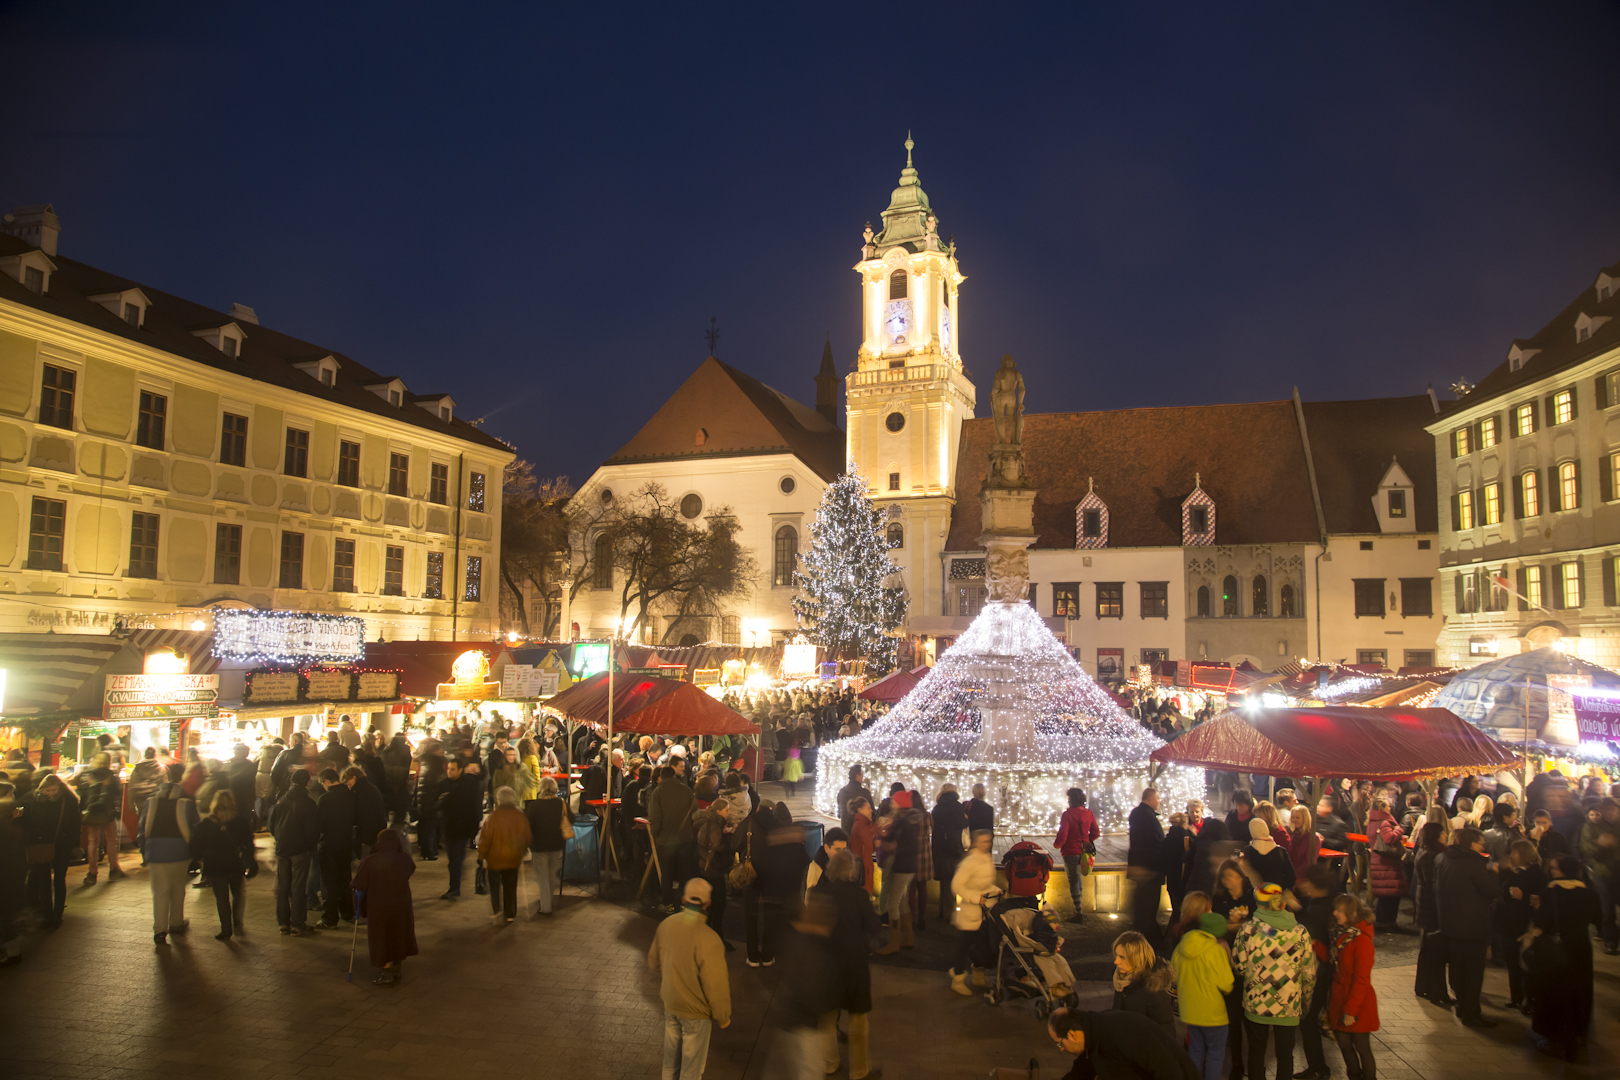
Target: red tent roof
[(891, 687), (651, 706), (1341, 741)]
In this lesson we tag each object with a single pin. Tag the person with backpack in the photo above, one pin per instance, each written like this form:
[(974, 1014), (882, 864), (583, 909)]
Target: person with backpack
[(100, 799), (165, 838)]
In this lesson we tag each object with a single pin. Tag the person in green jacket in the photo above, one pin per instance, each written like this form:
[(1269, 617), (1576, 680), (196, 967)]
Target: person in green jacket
[(1273, 953), (1203, 977)]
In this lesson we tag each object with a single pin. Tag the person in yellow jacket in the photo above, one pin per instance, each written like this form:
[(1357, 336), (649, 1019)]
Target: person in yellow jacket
[(1203, 978), (694, 986)]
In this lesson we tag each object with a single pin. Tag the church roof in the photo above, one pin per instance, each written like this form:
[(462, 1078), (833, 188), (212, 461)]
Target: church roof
[(1143, 463), (721, 412), (1352, 445)]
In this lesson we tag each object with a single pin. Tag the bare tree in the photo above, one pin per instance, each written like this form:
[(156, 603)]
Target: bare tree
[(662, 563), (534, 539)]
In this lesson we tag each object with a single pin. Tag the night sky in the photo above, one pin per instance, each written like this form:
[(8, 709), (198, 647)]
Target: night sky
[(539, 209)]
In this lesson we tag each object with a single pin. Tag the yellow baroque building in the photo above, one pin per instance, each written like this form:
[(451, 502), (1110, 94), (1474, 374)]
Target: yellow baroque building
[(158, 457)]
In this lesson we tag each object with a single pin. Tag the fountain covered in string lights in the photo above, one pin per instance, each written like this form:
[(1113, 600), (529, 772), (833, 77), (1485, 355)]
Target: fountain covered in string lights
[(1006, 705)]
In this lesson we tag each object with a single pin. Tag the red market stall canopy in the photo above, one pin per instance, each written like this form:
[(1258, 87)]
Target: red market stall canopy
[(1347, 742), (650, 706), (891, 687)]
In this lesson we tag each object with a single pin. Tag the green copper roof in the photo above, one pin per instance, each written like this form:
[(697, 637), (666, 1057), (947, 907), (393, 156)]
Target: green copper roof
[(906, 219)]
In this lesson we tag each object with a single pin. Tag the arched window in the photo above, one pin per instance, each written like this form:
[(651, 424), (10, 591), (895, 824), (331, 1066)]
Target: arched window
[(1285, 602), (1229, 599), (896, 535), (1261, 604), (897, 285), (1203, 601), (602, 563), (787, 553)]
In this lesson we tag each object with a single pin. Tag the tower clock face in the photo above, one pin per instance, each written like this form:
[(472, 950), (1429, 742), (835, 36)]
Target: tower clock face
[(946, 339), (897, 321)]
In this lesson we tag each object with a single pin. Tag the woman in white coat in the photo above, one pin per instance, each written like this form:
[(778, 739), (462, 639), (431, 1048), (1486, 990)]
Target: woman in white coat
[(974, 880)]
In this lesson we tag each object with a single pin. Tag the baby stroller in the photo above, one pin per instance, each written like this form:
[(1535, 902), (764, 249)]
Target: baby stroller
[(1028, 964)]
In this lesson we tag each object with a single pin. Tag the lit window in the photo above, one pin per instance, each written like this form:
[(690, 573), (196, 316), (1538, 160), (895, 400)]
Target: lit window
[(1066, 600), (1487, 433), (1493, 504), (1397, 504), (1524, 419), (433, 586), (475, 579), (1529, 483), (1110, 600), (475, 492), (1563, 406), (1570, 580), (1532, 585), (1465, 509), (1460, 442), (1569, 486)]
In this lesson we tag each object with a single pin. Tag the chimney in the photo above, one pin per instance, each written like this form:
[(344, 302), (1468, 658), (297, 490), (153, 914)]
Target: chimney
[(38, 225), (827, 386), (243, 313)]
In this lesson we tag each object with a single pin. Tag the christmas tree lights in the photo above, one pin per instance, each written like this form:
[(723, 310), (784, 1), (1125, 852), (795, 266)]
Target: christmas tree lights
[(850, 601), (1007, 706)]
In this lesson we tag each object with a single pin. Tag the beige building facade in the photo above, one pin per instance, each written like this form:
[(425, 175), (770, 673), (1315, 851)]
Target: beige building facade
[(158, 458)]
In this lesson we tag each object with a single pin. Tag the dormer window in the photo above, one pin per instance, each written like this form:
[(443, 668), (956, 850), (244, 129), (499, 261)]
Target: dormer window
[(390, 390), (1397, 504), (1198, 518), (1606, 287), (127, 304), (1394, 502), (1091, 521), (32, 269), (1587, 325), (227, 338), (33, 279), (323, 371), (1518, 356)]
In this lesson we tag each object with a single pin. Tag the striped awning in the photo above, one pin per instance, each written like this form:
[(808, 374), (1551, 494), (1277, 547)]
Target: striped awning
[(199, 642), (48, 673)]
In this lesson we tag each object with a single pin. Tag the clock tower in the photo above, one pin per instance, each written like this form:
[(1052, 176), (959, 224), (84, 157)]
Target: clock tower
[(908, 395)]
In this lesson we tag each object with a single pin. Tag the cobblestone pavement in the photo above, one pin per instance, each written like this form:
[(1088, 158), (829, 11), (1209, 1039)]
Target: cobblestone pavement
[(565, 997)]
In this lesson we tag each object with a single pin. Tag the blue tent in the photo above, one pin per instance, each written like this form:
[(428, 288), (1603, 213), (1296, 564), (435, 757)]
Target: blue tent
[(1507, 695)]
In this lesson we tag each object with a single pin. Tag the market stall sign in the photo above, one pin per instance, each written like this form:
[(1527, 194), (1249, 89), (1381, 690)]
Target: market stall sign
[(288, 637), (472, 682), (376, 685), (706, 676), (798, 659), (271, 686), (329, 686), (590, 658), (1213, 676), (1598, 718), (151, 697)]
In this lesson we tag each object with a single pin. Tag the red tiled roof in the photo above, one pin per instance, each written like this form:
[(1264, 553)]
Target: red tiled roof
[(737, 415), (1143, 463)]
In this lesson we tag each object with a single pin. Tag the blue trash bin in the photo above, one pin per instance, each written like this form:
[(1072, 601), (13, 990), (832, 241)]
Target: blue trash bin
[(812, 836), (582, 855)]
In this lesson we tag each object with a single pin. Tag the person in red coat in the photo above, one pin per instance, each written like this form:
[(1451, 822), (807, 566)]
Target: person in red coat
[(1076, 842), (383, 887), (1353, 1004), (1388, 872), (862, 835)]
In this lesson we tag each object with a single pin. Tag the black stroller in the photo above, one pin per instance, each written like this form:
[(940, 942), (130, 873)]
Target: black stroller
[(1016, 933)]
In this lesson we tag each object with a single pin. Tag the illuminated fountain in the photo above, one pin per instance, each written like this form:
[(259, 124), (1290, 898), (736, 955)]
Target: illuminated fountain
[(1006, 705)]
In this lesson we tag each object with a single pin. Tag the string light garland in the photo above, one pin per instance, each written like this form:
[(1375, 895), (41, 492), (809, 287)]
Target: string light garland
[(288, 638), (849, 601), (1007, 706)]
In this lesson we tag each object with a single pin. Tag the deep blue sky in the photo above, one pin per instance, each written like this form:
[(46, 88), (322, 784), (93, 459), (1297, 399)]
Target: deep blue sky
[(539, 208)]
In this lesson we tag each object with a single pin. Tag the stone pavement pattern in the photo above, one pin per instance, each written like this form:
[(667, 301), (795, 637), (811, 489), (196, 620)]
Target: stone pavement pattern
[(565, 997)]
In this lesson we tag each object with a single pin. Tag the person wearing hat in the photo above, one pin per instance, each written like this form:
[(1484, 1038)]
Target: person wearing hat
[(1204, 976), (1274, 955), (694, 986), (1263, 859)]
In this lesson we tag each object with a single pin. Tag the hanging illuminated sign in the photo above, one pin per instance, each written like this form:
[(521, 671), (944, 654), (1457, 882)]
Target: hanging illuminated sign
[(150, 697), (288, 637), (798, 659), (590, 658), (471, 675)]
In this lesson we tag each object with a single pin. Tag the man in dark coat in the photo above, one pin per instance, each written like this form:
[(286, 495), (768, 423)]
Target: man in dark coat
[(370, 808), (1118, 1045), (396, 759), (461, 801), (1237, 819), (1467, 891), (852, 944), (383, 884), (670, 806), (335, 811), (949, 821), (981, 816), (1144, 865), (296, 830), (244, 773), (855, 787)]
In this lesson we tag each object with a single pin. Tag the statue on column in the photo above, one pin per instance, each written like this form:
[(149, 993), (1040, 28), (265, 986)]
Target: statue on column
[(1007, 410)]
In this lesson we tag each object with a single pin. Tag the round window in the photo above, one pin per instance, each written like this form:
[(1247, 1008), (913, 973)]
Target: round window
[(691, 506), (607, 496), (895, 421), (787, 485)]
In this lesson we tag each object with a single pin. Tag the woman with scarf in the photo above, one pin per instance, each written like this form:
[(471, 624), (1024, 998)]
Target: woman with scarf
[(1263, 860), (382, 887), (1353, 1003), (1142, 982)]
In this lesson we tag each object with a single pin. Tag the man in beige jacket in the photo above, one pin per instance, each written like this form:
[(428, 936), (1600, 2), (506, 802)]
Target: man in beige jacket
[(695, 987)]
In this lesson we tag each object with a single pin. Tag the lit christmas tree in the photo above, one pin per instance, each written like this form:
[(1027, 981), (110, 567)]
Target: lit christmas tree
[(850, 600)]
